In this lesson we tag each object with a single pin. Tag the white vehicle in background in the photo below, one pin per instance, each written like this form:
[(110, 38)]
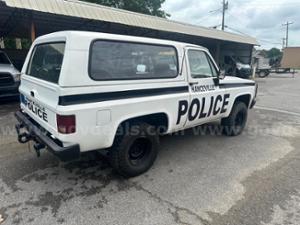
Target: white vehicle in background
[(9, 77), (84, 91), (262, 66)]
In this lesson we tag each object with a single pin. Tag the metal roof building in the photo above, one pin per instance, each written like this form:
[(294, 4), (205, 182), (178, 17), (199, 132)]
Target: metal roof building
[(31, 18), (291, 58), (89, 11)]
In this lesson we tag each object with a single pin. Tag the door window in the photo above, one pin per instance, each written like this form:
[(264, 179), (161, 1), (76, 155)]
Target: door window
[(200, 65)]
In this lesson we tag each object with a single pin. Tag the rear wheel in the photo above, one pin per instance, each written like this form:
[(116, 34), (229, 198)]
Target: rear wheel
[(235, 123), (135, 151)]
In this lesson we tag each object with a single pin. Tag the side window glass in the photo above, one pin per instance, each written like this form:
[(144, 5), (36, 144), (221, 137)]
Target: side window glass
[(113, 60), (199, 64)]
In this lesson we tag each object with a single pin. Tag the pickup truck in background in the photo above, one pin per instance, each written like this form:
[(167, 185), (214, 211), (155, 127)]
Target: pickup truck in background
[(235, 67), (262, 66), (9, 77)]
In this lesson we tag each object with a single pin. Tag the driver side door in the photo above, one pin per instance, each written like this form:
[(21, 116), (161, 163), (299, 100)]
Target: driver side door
[(207, 97)]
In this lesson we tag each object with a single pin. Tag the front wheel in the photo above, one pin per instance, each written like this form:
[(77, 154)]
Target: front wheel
[(235, 123), (135, 151), (262, 74)]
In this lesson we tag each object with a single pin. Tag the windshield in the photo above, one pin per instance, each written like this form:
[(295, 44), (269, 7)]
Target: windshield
[(46, 61), (4, 59)]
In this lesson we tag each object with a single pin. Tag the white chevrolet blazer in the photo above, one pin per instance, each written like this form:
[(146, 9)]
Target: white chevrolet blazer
[(85, 91)]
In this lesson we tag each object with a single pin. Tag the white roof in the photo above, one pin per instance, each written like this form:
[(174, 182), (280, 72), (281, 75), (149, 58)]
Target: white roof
[(85, 10), (77, 37)]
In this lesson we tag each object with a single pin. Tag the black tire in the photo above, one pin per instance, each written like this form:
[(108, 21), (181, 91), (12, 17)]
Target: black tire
[(135, 151), (235, 123), (262, 74)]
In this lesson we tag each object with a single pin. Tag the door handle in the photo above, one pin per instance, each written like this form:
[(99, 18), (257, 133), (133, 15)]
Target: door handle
[(33, 93), (193, 82)]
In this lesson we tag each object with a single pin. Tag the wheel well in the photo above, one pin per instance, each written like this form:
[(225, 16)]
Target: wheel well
[(158, 120), (243, 98)]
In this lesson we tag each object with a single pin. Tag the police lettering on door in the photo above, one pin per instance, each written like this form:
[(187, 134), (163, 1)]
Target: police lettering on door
[(198, 110)]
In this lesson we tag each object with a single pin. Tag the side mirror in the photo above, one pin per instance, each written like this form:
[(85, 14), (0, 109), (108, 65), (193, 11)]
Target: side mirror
[(222, 74)]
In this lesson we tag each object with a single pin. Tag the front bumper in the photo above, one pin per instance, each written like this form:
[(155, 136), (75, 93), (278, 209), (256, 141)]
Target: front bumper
[(255, 95), (43, 139), (9, 91), (252, 103)]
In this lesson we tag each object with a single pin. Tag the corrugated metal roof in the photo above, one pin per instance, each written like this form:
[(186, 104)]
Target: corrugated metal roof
[(85, 10)]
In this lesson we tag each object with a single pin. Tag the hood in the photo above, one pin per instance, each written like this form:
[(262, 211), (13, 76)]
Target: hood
[(235, 80), (8, 68)]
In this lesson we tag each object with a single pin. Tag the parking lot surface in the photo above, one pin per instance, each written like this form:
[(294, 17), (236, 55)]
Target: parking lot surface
[(197, 179)]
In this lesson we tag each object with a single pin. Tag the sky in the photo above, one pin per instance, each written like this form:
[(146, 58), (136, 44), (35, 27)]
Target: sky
[(261, 19)]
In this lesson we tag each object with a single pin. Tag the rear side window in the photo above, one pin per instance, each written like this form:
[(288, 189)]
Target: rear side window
[(46, 60), (112, 60)]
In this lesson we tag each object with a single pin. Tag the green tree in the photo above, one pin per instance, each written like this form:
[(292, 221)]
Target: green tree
[(274, 53), (149, 7), (10, 43)]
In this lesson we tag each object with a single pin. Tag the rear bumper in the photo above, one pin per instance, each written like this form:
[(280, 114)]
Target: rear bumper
[(35, 133)]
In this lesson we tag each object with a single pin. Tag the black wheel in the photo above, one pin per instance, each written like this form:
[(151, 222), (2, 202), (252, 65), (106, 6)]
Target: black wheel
[(135, 150), (262, 74), (235, 123)]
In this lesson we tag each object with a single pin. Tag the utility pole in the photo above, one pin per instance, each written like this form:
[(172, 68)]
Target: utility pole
[(287, 32), (224, 8), (283, 43)]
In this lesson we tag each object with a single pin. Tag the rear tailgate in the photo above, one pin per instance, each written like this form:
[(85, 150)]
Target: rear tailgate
[(39, 87), (39, 100)]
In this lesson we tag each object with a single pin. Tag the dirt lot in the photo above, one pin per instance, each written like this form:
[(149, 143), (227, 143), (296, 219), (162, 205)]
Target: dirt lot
[(197, 179)]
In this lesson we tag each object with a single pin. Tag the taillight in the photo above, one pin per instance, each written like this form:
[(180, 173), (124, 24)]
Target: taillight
[(66, 124)]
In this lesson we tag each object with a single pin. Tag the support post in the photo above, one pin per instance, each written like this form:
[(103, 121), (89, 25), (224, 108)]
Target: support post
[(2, 44), (18, 43), (218, 54), (32, 31)]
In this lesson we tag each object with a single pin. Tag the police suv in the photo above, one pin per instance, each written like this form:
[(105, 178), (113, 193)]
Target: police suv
[(85, 91)]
